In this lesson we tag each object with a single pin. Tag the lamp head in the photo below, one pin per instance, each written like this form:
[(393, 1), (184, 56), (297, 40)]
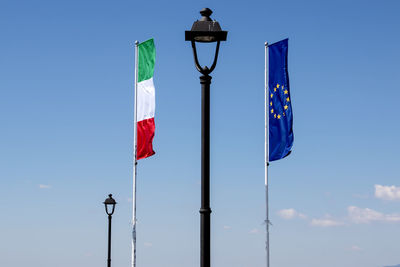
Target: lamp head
[(206, 30), (109, 204)]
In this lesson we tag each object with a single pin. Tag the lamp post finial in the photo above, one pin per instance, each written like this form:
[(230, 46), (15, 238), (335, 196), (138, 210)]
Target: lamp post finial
[(206, 13)]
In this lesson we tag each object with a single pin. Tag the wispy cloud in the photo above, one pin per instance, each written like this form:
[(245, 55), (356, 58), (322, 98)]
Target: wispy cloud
[(355, 248), (387, 192), (356, 215), (365, 215), (326, 222), (227, 227), (44, 186), (289, 214), (254, 231), (148, 244), (302, 216)]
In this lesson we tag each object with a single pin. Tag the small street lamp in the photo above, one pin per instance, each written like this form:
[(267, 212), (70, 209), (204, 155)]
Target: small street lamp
[(205, 30), (109, 204)]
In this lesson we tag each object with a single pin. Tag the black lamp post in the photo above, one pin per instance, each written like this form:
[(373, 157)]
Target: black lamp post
[(205, 30), (109, 204)]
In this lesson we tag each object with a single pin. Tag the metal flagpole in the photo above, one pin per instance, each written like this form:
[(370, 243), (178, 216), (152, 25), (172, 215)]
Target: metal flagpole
[(266, 98), (134, 161)]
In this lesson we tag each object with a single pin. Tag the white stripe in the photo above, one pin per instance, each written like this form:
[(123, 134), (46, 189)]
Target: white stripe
[(146, 102)]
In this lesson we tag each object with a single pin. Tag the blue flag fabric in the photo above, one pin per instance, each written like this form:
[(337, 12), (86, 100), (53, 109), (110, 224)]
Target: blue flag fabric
[(279, 102)]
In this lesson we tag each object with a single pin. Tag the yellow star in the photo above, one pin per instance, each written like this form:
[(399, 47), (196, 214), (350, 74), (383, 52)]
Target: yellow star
[(277, 85), (284, 114), (287, 99), (286, 92), (286, 107), (272, 95), (283, 87), (274, 89), (279, 116), (272, 110), (270, 103), (274, 115)]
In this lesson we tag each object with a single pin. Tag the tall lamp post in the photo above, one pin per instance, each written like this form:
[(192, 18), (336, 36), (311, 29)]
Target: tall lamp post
[(109, 204), (205, 30)]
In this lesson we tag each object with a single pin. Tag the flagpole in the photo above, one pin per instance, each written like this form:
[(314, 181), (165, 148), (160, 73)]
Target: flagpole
[(266, 106), (134, 161)]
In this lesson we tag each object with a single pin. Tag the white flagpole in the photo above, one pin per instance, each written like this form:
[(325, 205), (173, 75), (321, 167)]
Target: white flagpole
[(266, 149), (134, 160)]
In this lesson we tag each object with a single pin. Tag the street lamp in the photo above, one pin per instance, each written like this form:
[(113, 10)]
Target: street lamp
[(109, 204), (205, 30)]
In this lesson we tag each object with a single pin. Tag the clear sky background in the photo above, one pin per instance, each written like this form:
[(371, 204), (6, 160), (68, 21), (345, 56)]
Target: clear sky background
[(66, 114)]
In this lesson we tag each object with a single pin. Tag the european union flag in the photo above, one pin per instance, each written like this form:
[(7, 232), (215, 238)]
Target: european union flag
[(279, 101)]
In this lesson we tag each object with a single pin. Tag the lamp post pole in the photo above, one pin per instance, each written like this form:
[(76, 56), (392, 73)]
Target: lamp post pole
[(109, 241), (205, 210), (109, 205), (205, 30)]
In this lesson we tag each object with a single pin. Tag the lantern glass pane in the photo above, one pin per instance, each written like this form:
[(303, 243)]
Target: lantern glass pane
[(205, 39)]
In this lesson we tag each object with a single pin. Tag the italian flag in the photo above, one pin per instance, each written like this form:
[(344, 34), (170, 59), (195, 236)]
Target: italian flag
[(145, 100)]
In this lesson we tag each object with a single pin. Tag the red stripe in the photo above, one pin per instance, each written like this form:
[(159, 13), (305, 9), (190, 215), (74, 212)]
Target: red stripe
[(145, 135)]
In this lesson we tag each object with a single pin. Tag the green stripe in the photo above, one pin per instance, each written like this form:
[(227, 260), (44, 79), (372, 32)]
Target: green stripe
[(147, 58)]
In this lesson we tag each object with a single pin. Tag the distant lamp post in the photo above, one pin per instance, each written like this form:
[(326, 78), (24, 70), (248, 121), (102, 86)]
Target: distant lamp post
[(109, 204), (205, 30)]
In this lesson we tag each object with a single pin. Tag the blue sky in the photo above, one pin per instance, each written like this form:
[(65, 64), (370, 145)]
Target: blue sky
[(66, 110)]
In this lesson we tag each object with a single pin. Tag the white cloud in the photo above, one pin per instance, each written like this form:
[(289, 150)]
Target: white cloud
[(355, 248), (359, 215), (44, 186), (356, 215), (387, 192), (227, 227), (326, 222), (302, 216), (289, 214), (254, 231), (392, 217)]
